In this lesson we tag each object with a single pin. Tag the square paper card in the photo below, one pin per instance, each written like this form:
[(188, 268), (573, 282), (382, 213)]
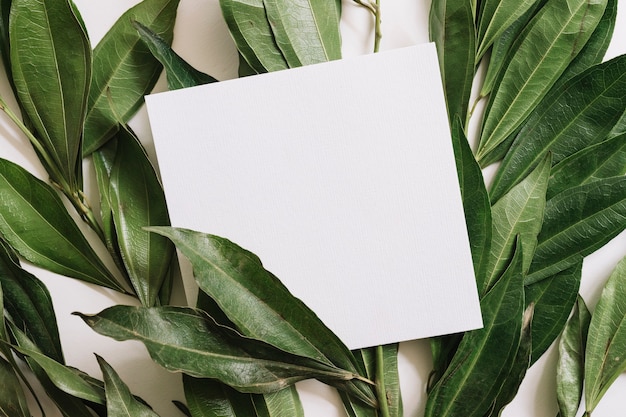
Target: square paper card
[(341, 178)]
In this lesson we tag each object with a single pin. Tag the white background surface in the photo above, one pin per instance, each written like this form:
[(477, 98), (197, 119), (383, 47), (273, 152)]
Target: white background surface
[(201, 37)]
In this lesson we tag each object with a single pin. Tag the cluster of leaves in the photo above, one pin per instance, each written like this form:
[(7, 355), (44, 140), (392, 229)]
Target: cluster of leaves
[(554, 118), (554, 114)]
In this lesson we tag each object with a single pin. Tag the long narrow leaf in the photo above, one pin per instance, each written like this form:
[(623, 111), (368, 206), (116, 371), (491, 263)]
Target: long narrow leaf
[(51, 64), (580, 114), (35, 222), (605, 357), (285, 402), (147, 256), (497, 16), (306, 31), (124, 69), (549, 43), (12, 398), (576, 223), (211, 398)]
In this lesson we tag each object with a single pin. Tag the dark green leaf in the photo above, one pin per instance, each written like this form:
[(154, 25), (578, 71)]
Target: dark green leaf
[(519, 212), (253, 35), (306, 31), (484, 358), (442, 350), (186, 340), (452, 29), (137, 201), (475, 203), (571, 364), (605, 357), (285, 402), (5, 50), (12, 398), (547, 46), (29, 304), (210, 398), (497, 16), (554, 298), (576, 223), (51, 64), (119, 400), (521, 363), (258, 303), (124, 69), (580, 114), (387, 379), (179, 73), (35, 222), (67, 379), (603, 160)]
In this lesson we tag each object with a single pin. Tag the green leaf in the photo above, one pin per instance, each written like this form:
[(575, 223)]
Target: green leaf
[(285, 402), (595, 48), (576, 223), (484, 358), (387, 379), (51, 64), (259, 304), (521, 363), (554, 298), (124, 69), (211, 398), (248, 25), (69, 380), (546, 47), (36, 224), (451, 26), (137, 201), (5, 49), (604, 160), (580, 114), (496, 16), (119, 400), (179, 73), (571, 364), (306, 31), (187, 340), (519, 212), (605, 357), (29, 304), (475, 203), (12, 398)]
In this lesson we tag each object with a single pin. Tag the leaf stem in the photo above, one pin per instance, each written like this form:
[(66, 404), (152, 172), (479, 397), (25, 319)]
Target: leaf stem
[(76, 197), (381, 389), (374, 8)]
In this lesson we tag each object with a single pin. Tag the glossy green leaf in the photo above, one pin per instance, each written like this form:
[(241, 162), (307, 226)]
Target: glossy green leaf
[(605, 160), (580, 114), (67, 404), (484, 358), (211, 398), (306, 31), (12, 398), (519, 212), (571, 363), (248, 25), (496, 16), (259, 304), (124, 69), (546, 47), (5, 50), (576, 223), (29, 304), (179, 73), (51, 64), (442, 350), (137, 201), (451, 26), (521, 363), (595, 48), (285, 402), (476, 203), (387, 379), (35, 222), (605, 357), (69, 380), (187, 340), (119, 400), (554, 298)]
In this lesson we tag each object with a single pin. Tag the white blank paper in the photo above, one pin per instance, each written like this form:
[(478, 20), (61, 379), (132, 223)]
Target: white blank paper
[(341, 178)]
